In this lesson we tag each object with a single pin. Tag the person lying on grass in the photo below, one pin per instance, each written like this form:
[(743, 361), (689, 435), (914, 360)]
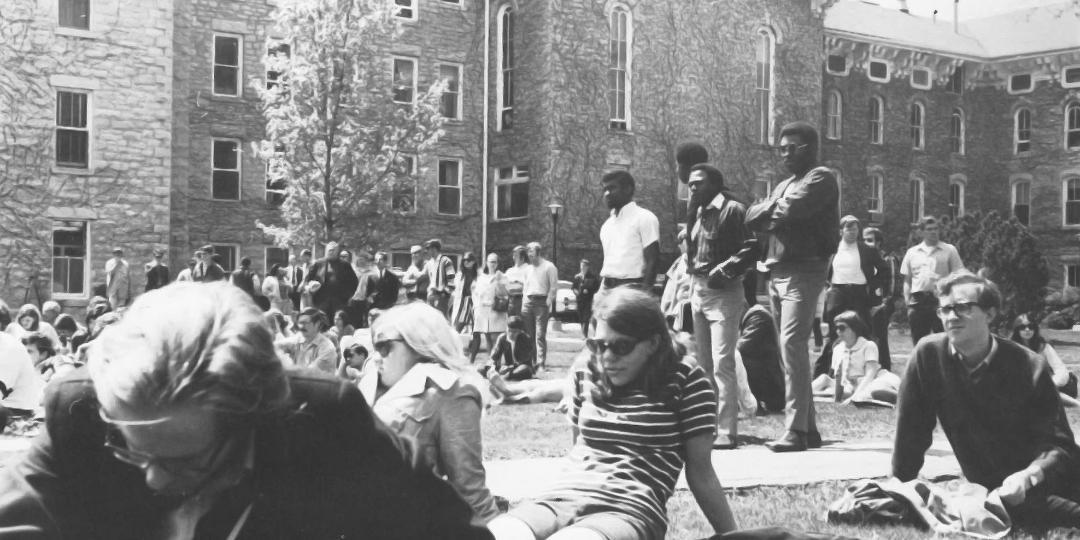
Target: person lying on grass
[(640, 413), (856, 373)]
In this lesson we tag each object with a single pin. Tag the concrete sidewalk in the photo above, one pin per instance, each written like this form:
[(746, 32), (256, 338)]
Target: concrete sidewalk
[(745, 467)]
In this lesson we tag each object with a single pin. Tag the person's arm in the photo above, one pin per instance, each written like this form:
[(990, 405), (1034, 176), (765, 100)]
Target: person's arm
[(703, 483), (905, 270), (749, 252), (871, 367), (553, 286), (915, 421), (1059, 373), (649, 231), (954, 260), (803, 200), (326, 358), (460, 452)]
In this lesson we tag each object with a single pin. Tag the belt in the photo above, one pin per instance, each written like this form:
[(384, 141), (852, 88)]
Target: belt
[(611, 282), (847, 285), (538, 297)]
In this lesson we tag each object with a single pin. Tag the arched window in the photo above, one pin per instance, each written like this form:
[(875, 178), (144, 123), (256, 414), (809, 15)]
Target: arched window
[(956, 197), (1021, 201), (1022, 131), (956, 131), (834, 116), (763, 84), (1071, 199), (1072, 126), (918, 141), (619, 46), (916, 200), (504, 84), (877, 120)]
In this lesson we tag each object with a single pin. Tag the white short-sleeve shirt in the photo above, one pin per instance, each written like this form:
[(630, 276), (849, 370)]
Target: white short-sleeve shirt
[(22, 382), (625, 235)]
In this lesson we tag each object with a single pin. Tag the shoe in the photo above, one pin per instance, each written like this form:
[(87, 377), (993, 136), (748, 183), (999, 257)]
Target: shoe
[(793, 441), (813, 439), (725, 442)]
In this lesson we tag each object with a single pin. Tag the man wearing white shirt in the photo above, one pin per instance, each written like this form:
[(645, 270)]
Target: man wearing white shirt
[(541, 284), (21, 384), (923, 265), (630, 238)]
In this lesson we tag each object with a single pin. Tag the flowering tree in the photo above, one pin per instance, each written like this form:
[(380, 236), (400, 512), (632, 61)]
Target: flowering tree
[(342, 120)]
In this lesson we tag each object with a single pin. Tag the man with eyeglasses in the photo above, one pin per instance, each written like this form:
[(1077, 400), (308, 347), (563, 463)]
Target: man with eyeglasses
[(185, 424), (923, 265), (996, 402), (798, 222)]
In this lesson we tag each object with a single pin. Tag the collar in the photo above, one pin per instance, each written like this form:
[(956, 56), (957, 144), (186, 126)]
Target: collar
[(922, 246), (985, 362), (630, 205), (717, 201), (314, 340), (412, 383)]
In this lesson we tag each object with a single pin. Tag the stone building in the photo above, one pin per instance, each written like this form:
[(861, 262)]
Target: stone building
[(922, 117)]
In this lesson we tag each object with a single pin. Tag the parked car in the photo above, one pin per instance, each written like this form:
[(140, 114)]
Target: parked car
[(565, 303)]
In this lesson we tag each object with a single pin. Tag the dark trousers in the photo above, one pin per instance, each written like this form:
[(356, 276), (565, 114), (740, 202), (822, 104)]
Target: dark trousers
[(584, 314), (838, 299), (880, 316), (515, 304), (357, 313), (922, 316), (1054, 503)]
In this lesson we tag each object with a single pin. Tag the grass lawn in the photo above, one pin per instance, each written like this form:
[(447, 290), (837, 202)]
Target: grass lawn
[(520, 431)]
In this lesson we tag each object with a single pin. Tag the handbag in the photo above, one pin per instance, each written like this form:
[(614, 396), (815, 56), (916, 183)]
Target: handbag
[(501, 304)]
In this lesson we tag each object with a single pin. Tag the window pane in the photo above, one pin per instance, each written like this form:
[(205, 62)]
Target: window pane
[(837, 63), (75, 14), (448, 173), (920, 77), (1020, 83), (449, 200), (225, 154), (1072, 75), (226, 51), (879, 70), (225, 80), (69, 256), (226, 185)]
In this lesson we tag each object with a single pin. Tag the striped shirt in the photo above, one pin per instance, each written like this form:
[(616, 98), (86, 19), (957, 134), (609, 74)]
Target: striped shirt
[(630, 451)]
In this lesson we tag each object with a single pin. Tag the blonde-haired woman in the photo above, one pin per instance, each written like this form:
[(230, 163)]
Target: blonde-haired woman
[(421, 392)]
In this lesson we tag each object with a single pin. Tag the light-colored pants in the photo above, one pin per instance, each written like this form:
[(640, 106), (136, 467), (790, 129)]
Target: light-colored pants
[(794, 289), (717, 313), (536, 314)]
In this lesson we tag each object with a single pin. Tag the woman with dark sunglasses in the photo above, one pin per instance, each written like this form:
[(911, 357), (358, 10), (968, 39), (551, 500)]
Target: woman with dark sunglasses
[(856, 372), (640, 413), (1026, 333)]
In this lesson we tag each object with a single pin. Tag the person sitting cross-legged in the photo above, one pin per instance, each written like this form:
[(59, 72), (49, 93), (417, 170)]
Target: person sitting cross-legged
[(996, 402), (513, 354), (856, 373)]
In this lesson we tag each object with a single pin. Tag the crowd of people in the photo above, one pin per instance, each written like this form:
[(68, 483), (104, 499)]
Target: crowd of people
[(334, 398)]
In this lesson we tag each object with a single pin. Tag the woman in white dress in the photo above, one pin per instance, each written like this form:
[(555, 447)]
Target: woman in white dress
[(489, 287), (276, 288)]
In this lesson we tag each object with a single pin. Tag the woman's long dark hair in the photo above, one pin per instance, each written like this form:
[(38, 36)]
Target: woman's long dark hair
[(468, 274), (853, 321), (1036, 343), (636, 313)]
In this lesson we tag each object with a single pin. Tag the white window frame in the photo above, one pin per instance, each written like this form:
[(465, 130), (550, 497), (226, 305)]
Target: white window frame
[(1065, 278), (847, 65), (1017, 129), (1069, 177), (888, 70), (1064, 84), (87, 266), (239, 168), (960, 181), (921, 127), (415, 173), (239, 64), (918, 207), (929, 78), (625, 70), (957, 141), (460, 102), (89, 129), (834, 116), (504, 97), (877, 125), (414, 5), (1017, 182), (393, 83), (439, 187), (766, 108), (237, 255), (89, 10), (1015, 91), (1069, 109), (518, 175), (877, 193)]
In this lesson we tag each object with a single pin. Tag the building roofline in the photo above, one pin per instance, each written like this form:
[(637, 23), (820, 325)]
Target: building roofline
[(877, 40)]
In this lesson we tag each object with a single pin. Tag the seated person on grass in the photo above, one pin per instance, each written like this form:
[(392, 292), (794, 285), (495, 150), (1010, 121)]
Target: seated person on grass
[(513, 355), (538, 390), (1026, 333), (48, 363), (996, 402), (639, 413), (21, 384), (856, 373)]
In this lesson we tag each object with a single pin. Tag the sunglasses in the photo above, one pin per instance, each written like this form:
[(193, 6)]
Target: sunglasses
[(789, 149), (1031, 327), (842, 327), (193, 465), (383, 346), (618, 347), (961, 309)]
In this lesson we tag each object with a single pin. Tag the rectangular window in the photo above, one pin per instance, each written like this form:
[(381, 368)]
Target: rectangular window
[(920, 78), (277, 53), (72, 129), (277, 169), (1022, 202), (836, 64), (619, 69), (956, 200), (1023, 131), (75, 14), (1019, 84), (450, 103), (404, 80), (916, 120), (956, 81), (403, 198), (450, 187), (505, 83), (226, 170), (275, 255), (877, 120), (1072, 201), (1070, 77), (834, 116), (956, 131), (405, 9), (876, 202), (1072, 126), (916, 200), (878, 71), (70, 263), (763, 86), (227, 65), (228, 256), (512, 193), (1072, 275)]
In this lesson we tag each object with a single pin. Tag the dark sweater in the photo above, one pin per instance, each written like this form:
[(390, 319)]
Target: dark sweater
[(1006, 419)]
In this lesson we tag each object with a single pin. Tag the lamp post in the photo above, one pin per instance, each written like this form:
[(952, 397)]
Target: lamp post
[(555, 208)]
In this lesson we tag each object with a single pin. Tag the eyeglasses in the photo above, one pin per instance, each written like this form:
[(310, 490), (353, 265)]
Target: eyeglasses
[(383, 346), (1031, 327), (619, 347), (961, 309), (193, 465), (790, 149)]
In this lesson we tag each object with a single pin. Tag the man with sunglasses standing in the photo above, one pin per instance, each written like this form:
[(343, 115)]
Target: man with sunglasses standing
[(185, 424), (996, 402), (798, 222)]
